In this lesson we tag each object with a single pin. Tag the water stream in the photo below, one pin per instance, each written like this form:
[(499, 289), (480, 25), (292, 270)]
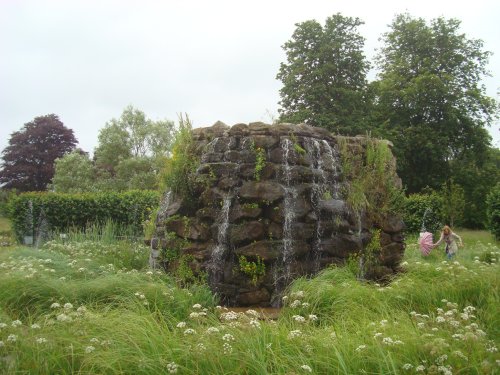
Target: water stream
[(215, 267)]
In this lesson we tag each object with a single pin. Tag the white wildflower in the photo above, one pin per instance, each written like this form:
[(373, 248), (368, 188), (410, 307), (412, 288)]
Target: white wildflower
[(197, 306), (68, 306), (312, 317), (81, 310), (3, 325), (172, 368), (189, 331), (94, 340), (295, 304), (228, 337), (181, 324), (228, 349), (12, 338), (360, 348), (407, 366), (194, 315), (295, 333), (305, 305), (41, 340), (55, 305), (89, 349), (299, 318), (254, 323), (420, 368), (306, 368), (212, 330), (16, 323), (387, 341), (63, 318)]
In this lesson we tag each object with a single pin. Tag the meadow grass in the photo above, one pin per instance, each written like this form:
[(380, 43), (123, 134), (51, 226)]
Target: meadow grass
[(88, 307)]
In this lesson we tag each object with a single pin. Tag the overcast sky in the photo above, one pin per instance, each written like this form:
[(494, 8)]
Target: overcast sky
[(87, 60)]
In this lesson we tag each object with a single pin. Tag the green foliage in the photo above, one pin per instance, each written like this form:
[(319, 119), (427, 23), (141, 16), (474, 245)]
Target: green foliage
[(324, 77), (254, 270), (431, 315), (260, 161), (65, 211), (430, 101), (177, 174), (74, 173), (373, 184), (423, 211), (453, 203), (249, 206), (493, 204)]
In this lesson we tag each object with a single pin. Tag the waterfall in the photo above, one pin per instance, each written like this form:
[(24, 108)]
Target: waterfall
[(219, 250), (161, 216), (313, 149), (427, 211), (209, 149), (282, 271)]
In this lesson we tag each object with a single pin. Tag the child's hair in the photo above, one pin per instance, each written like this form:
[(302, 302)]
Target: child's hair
[(446, 229)]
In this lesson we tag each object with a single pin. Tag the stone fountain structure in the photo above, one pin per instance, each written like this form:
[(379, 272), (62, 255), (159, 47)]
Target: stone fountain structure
[(272, 196)]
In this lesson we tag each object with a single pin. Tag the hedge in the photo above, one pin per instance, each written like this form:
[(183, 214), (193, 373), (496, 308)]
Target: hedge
[(63, 211), (423, 211), (493, 211)]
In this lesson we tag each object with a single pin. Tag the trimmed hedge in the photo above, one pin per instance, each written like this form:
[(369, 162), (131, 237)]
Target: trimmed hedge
[(69, 211), (493, 211), (423, 210)]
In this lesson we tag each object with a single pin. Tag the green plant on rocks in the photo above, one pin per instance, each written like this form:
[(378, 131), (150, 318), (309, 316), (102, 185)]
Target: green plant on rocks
[(254, 270)]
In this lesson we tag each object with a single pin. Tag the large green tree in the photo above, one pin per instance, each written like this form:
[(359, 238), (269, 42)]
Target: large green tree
[(324, 77), (430, 101), (28, 160), (133, 135), (131, 151)]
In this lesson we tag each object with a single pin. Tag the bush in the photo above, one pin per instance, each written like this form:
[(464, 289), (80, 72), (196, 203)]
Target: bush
[(61, 212), (493, 211), (423, 211)]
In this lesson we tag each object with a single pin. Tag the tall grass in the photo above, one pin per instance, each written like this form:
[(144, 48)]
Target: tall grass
[(93, 308)]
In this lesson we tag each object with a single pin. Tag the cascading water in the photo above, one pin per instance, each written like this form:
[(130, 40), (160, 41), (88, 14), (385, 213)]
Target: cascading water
[(42, 231), (161, 216), (219, 250), (284, 263), (29, 226), (427, 211)]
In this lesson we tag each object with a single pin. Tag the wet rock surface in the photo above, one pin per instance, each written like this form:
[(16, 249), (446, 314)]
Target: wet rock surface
[(273, 196)]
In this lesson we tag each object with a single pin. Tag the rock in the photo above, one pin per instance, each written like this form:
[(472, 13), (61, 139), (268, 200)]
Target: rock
[(261, 191), (233, 212)]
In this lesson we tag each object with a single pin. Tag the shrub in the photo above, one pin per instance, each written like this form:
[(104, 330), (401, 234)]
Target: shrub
[(61, 212), (423, 211), (493, 211)]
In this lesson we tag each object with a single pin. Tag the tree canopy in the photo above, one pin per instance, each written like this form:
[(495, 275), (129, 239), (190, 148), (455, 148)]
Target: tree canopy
[(28, 160), (429, 98), (131, 151), (324, 77)]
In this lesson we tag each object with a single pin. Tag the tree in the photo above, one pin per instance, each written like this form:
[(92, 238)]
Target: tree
[(429, 100), (28, 160), (133, 135), (324, 78), (74, 173)]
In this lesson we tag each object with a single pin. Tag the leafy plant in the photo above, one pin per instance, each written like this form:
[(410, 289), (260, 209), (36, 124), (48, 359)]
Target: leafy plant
[(260, 161), (254, 270), (178, 175)]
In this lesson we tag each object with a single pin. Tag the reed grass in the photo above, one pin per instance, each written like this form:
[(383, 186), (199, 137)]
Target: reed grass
[(95, 308)]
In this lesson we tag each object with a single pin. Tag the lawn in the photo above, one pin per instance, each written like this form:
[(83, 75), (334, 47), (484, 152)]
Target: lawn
[(86, 307)]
